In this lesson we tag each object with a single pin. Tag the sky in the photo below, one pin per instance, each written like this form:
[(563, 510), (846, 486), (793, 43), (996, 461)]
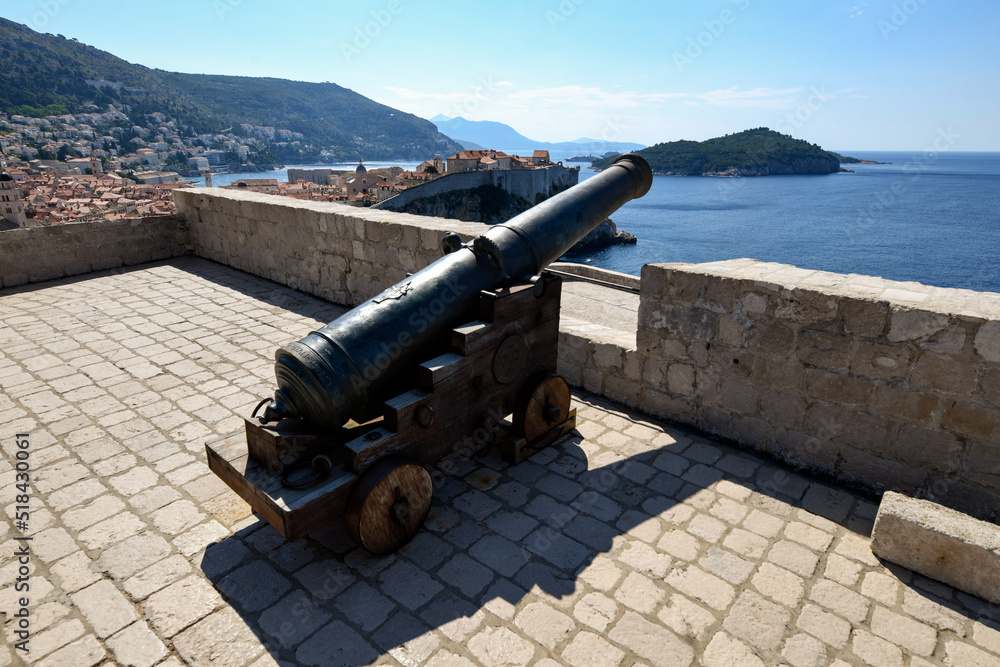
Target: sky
[(845, 74)]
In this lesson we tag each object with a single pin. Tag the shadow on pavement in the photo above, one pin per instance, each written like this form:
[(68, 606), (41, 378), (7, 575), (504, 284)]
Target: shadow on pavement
[(672, 506)]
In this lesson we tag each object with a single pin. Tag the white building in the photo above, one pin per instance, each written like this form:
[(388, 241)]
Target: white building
[(11, 205)]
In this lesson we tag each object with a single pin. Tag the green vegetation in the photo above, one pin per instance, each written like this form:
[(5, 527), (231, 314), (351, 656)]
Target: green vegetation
[(853, 160), (759, 151), (39, 112), (51, 75)]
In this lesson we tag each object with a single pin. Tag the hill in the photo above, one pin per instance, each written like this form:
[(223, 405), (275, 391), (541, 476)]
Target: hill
[(51, 75), (756, 152), (853, 160), (473, 134)]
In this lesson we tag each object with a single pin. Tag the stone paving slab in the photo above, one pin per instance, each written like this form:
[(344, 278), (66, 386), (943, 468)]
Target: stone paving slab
[(630, 542), (605, 306)]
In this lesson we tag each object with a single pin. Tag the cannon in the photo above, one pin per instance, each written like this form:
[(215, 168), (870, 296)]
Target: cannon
[(434, 363)]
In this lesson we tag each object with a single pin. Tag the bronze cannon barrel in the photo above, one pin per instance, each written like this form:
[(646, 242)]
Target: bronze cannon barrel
[(332, 374)]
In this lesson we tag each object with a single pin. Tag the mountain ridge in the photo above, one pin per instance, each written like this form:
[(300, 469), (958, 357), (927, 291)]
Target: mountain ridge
[(478, 134), (49, 74)]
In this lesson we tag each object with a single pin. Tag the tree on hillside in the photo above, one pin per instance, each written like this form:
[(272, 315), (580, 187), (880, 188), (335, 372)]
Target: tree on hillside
[(65, 152)]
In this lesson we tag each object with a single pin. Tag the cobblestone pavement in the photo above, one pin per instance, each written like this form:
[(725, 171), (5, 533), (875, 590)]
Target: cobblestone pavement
[(631, 542)]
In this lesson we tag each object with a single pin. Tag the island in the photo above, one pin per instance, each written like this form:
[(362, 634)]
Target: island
[(853, 160), (755, 152), (592, 158)]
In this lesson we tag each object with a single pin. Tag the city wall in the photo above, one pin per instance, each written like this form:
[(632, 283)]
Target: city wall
[(318, 176), (341, 253), (876, 383), (34, 254), (872, 382), (525, 183)]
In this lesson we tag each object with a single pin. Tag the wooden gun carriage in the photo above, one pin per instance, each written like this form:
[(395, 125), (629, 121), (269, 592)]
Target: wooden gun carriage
[(436, 362)]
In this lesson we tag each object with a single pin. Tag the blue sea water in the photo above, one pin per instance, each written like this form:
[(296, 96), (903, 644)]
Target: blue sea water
[(930, 218)]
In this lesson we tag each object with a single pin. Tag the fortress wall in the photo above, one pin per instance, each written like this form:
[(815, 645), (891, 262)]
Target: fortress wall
[(465, 180), (317, 176), (884, 384), (34, 254), (341, 253), (525, 183)]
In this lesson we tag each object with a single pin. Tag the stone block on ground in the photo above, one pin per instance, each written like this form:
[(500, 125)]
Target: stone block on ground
[(939, 543)]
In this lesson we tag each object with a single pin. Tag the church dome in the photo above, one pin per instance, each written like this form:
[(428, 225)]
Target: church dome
[(361, 168), (5, 177)]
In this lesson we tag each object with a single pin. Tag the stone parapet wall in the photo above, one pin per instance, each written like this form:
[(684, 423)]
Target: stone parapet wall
[(340, 253), (35, 254), (885, 384)]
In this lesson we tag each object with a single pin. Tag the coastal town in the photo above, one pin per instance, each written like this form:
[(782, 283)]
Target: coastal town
[(102, 165)]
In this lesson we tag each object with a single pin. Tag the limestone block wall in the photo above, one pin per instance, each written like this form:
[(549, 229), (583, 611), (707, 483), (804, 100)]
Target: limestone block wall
[(526, 183), (885, 384), (340, 253), (34, 254)]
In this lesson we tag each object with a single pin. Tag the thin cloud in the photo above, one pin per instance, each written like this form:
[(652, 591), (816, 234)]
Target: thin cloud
[(587, 97), (409, 94), (596, 99), (755, 98)]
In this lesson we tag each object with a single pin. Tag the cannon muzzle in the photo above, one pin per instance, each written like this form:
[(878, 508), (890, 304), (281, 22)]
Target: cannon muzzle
[(332, 374)]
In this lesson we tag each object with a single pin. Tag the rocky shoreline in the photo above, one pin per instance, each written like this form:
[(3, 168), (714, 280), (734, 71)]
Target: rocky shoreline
[(603, 236)]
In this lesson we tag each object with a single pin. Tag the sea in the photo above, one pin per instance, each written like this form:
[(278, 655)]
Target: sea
[(932, 218), (924, 217)]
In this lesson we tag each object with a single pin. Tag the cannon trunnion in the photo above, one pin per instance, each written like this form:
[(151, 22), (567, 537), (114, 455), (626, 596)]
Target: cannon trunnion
[(435, 364)]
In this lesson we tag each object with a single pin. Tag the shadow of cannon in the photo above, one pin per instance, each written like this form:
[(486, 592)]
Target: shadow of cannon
[(669, 506)]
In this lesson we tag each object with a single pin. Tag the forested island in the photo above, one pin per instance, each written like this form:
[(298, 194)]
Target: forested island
[(756, 152)]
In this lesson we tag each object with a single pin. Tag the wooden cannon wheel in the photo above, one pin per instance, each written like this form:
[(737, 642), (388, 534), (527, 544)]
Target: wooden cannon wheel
[(388, 504), (542, 405)]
